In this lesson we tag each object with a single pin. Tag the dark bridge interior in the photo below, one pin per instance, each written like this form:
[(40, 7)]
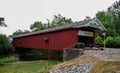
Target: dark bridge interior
[(87, 40)]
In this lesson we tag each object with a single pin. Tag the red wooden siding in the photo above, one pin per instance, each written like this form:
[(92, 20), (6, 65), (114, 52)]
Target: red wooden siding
[(56, 40)]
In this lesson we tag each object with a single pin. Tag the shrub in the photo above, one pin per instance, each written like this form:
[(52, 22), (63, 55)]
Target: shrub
[(117, 42), (99, 41), (109, 42), (6, 60), (37, 54), (32, 54), (113, 42), (79, 45), (4, 44)]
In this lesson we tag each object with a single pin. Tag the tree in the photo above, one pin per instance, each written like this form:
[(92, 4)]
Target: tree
[(4, 44), (106, 19), (113, 42), (87, 18), (59, 20), (2, 22), (37, 26), (114, 10), (109, 41), (18, 32), (99, 41)]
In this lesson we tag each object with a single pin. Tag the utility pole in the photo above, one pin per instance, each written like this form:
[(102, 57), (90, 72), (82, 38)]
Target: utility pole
[(104, 34)]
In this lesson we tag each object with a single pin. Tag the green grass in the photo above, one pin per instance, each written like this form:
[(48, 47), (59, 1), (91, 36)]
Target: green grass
[(41, 66), (106, 67), (7, 60)]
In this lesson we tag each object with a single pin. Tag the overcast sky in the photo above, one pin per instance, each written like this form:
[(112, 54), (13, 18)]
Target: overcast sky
[(20, 14)]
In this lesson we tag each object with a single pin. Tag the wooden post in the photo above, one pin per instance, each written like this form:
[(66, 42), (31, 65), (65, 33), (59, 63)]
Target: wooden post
[(94, 38), (63, 55)]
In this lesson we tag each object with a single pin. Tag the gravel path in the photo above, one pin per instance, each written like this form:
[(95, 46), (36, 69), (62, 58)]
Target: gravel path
[(84, 68)]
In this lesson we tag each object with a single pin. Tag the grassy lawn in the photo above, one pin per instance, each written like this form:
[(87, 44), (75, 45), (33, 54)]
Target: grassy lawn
[(106, 67), (41, 66)]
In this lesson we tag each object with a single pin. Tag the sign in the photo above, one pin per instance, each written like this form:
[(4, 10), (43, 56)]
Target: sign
[(85, 33), (90, 34)]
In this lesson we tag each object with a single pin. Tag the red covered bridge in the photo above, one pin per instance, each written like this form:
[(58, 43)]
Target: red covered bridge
[(60, 37)]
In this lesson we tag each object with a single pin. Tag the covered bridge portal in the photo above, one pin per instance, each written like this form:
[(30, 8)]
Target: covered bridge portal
[(60, 37)]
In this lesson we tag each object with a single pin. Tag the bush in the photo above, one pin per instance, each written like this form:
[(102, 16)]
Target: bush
[(113, 42), (32, 54), (79, 45), (37, 54), (6, 60), (4, 44), (109, 42), (117, 42), (99, 41)]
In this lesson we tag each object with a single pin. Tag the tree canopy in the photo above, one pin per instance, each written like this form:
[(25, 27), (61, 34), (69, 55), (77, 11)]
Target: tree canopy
[(37, 26), (106, 19), (18, 32), (114, 10), (2, 22), (58, 20), (4, 44)]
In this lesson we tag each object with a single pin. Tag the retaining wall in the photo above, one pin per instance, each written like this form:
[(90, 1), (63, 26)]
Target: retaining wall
[(105, 51), (69, 54)]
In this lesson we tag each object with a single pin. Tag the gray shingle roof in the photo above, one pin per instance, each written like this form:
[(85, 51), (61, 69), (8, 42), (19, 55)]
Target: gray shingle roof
[(67, 26)]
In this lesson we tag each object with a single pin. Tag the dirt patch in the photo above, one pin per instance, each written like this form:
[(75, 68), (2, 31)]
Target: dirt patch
[(106, 67), (80, 60), (109, 57)]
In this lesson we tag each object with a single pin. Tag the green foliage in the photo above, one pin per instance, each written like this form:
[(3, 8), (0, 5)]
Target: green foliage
[(114, 10), (56, 55), (111, 20), (117, 42), (113, 42), (87, 18), (37, 54), (18, 32), (111, 32), (4, 44), (109, 41), (58, 20), (1, 19), (33, 54), (79, 45), (6, 60), (41, 66), (2, 22), (99, 41), (37, 26), (106, 19)]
